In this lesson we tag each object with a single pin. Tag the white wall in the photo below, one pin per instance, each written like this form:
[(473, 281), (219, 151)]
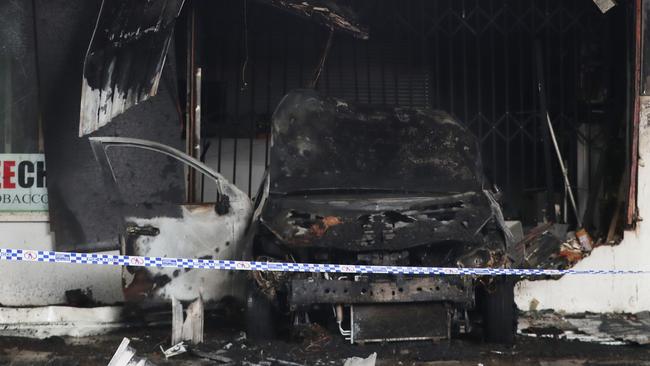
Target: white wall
[(243, 164), (37, 284), (611, 293)]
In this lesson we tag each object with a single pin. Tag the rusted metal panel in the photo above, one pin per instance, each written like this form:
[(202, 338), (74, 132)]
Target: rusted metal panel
[(428, 289), (125, 58)]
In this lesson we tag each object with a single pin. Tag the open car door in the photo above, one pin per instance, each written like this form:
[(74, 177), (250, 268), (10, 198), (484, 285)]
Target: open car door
[(220, 230)]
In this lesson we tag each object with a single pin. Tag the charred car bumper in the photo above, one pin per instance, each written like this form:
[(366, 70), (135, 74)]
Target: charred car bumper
[(370, 222), (305, 292)]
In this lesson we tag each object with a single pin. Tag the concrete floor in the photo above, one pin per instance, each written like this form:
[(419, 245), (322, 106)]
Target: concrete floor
[(318, 348)]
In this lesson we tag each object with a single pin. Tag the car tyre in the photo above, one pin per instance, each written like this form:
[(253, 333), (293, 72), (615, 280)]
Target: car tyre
[(499, 311), (260, 320)]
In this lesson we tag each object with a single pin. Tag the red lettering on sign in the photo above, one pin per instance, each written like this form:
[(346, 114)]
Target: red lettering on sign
[(8, 173)]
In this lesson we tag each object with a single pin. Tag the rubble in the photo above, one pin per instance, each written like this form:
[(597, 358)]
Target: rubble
[(283, 362), (125, 356), (539, 248), (551, 246), (174, 350), (97, 351), (358, 361)]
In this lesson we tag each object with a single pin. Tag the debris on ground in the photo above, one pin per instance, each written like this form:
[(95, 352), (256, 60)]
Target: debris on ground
[(533, 350), (174, 350), (314, 337), (276, 361), (242, 337), (633, 328), (572, 249), (125, 356), (607, 329), (212, 356), (358, 361), (539, 248)]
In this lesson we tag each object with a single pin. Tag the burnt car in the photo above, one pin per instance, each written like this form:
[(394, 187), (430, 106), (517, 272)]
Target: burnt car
[(347, 184), (369, 185)]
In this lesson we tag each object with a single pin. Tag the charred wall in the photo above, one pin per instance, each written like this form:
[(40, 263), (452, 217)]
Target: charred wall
[(81, 216)]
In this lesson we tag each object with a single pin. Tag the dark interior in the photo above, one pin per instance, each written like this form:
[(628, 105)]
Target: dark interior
[(475, 59)]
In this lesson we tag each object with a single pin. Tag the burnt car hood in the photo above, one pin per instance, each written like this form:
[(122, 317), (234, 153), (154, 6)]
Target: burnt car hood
[(327, 144), (357, 177), (370, 222)]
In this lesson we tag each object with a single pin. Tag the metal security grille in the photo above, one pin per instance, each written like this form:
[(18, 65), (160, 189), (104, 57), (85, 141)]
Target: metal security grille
[(472, 58), (481, 58)]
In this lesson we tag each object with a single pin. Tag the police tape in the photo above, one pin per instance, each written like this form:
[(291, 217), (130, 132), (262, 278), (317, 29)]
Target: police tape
[(25, 255)]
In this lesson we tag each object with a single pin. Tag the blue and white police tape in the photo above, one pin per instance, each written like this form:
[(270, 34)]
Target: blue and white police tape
[(163, 262)]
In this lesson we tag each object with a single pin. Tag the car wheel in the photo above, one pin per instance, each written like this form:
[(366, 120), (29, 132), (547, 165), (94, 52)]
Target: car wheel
[(260, 321), (499, 311)]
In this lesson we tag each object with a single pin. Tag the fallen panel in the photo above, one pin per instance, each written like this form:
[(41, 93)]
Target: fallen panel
[(125, 58), (125, 355), (609, 329)]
